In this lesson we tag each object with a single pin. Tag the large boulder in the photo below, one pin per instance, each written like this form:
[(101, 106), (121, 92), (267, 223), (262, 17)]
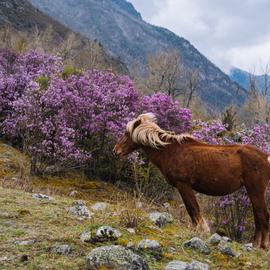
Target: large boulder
[(114, 258)]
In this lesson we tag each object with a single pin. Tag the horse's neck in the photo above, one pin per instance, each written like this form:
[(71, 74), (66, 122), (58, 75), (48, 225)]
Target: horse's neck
[(156, 156)]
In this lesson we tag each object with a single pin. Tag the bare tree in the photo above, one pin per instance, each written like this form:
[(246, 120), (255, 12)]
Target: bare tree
[(191, 85), (257, 107), (164, 73)]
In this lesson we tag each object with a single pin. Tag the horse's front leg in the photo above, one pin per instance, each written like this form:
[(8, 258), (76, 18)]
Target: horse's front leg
[(192, 207)]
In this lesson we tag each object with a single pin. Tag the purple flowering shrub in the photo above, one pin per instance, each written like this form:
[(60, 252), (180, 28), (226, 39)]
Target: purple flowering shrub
[(169, 114), (259, 136), (18, 72), (72, 120), (210, 131)]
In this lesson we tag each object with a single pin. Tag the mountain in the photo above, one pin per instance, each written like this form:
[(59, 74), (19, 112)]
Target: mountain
[(22, 16), (243, 78), (123, 32)]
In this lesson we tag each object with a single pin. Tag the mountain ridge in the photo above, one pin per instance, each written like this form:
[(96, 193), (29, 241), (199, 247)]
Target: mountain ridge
[(130, 38), (243, 78)]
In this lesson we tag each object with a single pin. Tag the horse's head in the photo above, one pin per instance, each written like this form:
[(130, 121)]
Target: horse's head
[(128, 143)]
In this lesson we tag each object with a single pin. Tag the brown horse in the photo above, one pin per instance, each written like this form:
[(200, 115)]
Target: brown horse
[(189, 164)]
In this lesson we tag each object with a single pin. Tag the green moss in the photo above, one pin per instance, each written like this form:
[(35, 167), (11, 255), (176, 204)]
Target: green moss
[(70, 70), (43, 82)]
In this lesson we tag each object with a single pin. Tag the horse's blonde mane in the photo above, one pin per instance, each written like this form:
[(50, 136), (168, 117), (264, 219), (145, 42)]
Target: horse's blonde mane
[(145, 131)]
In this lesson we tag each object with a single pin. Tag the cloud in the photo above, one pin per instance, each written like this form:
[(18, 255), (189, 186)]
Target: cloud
[(229, 33)]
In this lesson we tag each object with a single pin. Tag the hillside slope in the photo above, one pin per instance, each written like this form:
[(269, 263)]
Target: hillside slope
[(24, 17), (120, 28), (31, 227), (21, 15)]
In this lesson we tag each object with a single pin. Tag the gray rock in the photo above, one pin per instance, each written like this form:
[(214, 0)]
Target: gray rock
[(6, 215), (166, 205), (248, 247), (99, 206), (197, 244), (139, 204), (85, 236), (51, 170), (215, 239), (4, 258), (7, 258), (195, 265), (176, 265), (226, 239), (41, 196), (79, 209), (226, 249), (179, 265), (62, 249), (115, 257), (78, 203), (25, 242), (73, 193), (151, 246), (131, 230), (161, 219), (107, 233), (130, 245)]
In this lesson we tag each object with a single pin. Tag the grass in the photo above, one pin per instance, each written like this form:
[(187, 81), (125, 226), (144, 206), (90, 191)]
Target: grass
[(48, 222)]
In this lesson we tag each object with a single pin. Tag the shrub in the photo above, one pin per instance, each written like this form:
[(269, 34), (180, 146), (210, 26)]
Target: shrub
[(69, 118), (73, 119)]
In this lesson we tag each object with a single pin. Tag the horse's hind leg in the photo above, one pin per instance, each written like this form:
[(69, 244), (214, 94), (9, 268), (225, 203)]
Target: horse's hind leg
[(257, 194), (192, 207)]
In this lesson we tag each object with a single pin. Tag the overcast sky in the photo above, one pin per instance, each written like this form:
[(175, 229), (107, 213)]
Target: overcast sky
[(228, 32)]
